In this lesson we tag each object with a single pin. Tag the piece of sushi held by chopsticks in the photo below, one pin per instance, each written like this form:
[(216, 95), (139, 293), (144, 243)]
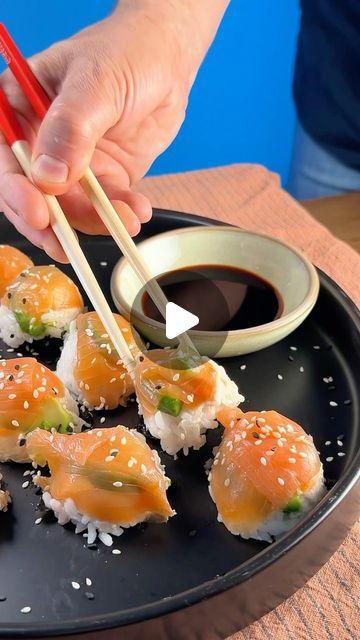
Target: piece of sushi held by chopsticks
[(40, 302), (101, 480), (179, 396), (31, 396), (266, 474), (89, 365), (12, 263), (5, 498)]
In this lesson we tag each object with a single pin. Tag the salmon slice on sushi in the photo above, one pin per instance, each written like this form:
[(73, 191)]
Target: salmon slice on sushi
[(39, 303), (266, 474), (101, 480), (31, 396), (12, 263), (179, 396), (89, 365)]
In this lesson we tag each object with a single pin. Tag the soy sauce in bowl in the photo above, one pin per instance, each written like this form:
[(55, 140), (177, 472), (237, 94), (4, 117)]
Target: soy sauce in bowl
[(223, 297)]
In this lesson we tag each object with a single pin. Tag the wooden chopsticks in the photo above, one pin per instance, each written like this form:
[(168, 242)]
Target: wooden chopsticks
[(15, 137), (41, 102)]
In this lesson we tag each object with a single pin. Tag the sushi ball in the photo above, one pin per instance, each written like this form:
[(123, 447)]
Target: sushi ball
[(101, 480), (178, 402), (40, 302), (266, 474), (31, 396), (5, 498), (89, 365), (12, 263)]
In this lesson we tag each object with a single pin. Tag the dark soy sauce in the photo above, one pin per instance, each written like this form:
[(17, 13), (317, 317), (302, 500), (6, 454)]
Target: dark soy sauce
[(223, 297)]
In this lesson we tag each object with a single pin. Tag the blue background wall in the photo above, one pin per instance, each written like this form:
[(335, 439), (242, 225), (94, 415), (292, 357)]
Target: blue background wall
[(240, 108)]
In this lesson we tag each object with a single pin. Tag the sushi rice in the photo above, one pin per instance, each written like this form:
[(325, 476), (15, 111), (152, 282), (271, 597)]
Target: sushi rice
[(56, 323), (279, 522), (188, 429)]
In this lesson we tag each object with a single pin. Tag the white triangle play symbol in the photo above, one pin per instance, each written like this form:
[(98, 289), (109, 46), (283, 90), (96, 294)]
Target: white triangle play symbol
[(178, 320)]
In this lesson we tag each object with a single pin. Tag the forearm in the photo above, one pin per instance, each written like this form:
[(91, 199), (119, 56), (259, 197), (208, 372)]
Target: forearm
[(193, 23)]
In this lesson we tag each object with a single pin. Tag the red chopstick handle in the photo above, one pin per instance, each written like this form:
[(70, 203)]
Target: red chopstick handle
[(30, 85), (9, 124)]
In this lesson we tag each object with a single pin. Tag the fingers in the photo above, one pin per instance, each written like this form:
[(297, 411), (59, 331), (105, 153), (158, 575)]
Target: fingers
[(82, 216), (82, 112), (44, 239), (18, 194)]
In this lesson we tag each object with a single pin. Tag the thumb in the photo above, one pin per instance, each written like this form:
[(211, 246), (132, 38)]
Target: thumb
[(79, 116)]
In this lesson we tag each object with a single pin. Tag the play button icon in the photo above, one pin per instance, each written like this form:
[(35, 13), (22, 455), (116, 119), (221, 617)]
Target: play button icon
[(178, 320)]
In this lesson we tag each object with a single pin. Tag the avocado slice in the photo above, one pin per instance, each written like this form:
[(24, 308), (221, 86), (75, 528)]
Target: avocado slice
[(294, 504), (34, 329), (170, 405), (55, 417)]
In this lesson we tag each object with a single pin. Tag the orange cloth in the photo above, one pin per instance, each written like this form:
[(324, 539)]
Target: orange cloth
[(249, 196)]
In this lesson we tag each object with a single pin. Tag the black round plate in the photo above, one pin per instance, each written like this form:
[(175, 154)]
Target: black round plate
[(163, 569)]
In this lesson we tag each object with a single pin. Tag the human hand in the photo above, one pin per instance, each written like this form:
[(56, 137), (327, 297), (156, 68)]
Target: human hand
[(119, 91)]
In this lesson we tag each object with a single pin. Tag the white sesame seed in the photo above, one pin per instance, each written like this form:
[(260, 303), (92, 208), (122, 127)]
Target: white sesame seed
[(332, 403), (75, 585), (281, 481), (227, 482), (263, 461)]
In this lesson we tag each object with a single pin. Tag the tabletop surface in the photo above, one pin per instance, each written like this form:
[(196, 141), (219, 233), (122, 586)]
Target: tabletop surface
[(340, 214)]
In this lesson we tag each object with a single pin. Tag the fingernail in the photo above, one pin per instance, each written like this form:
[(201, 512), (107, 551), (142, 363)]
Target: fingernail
[(49, 169)]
